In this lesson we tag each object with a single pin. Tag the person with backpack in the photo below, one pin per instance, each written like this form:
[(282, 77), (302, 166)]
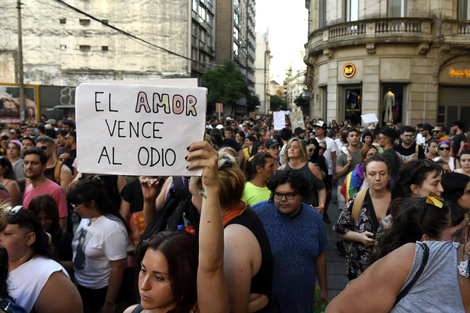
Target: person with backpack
[(359, 220)]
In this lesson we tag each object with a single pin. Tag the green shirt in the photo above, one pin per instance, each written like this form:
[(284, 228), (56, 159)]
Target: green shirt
[(254, 194)]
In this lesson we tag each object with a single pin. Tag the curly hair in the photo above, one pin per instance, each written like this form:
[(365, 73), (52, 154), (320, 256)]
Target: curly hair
[(296, 179)]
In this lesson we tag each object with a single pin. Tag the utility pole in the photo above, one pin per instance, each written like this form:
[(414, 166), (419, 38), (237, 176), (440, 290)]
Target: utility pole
[(20, 62)]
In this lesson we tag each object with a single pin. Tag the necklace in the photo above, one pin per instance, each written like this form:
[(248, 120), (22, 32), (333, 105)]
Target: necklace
[(92, 219)]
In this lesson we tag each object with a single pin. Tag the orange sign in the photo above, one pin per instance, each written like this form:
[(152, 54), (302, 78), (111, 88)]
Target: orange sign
[(459, 73), (349, 70)]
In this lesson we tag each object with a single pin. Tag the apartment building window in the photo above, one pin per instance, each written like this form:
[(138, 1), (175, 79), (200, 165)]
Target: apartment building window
[(321, 13), (202, 14), (236, 18), (63, 21), (202, 36), (194, 29), (235, 49), (464, 10), (209, 5), (195, 5), (235, 34), (210, 19), (84, 22), (236, 3), (84, 48), (104, 48), (351, 10), (397, 8)]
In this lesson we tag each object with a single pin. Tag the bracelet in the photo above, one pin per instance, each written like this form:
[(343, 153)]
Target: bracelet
[(69, 186), (109, 303), (321, 205)]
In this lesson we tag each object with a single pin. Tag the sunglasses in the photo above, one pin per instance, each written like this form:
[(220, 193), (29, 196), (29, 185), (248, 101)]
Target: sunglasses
[(321, 148), (444, 148), (436, 131)]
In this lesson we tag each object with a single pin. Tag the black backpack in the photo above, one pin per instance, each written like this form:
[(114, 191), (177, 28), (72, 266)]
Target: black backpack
[(171, 213)]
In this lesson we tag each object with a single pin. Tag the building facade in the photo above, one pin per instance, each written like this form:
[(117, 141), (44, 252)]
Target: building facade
[(65, 44), (236, 39), (262, 75), (406, 61), (294, 86)]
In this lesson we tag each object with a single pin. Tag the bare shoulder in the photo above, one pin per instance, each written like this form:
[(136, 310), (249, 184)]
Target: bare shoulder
[(130, 309), (237, 236)]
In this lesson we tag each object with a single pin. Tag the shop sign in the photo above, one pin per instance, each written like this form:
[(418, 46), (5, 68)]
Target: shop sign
[(349, 70), (459, 73)]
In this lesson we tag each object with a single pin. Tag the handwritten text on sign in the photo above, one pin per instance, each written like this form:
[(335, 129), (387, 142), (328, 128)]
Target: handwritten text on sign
[(138, 130)]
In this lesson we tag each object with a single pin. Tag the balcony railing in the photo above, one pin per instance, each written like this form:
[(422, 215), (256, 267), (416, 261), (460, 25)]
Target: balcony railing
[(399, 26), (457, 28)]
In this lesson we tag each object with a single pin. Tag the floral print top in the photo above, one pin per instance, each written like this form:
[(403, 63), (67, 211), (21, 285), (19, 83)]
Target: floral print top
[(358, 256)]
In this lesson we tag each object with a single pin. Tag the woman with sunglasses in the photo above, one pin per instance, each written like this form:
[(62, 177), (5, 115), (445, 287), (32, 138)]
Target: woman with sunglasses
[(425, 276), (8, 180), (313, 149), (444, 151), (358, 223), (37, 282)]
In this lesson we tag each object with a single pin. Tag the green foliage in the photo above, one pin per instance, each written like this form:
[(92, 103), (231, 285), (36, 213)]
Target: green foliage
[(277, 103), (225, 84), (252, 102), (303, 103)]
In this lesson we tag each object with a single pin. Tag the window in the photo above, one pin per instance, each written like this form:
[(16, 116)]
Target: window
[(235, 34), (210, 19), (104, 48), (321, 13), (63, 20), (195, 5), (235, 49), (202, 15), (202, 36), (63, 47), (236, 18), (236, 3), (351, 8), (84, 22), (464, 10), (84, 48), (209, 4), (105, 21), (397, 8)]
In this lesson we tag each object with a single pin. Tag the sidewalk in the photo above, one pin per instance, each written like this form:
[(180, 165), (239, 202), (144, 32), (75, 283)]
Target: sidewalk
[(336, 265)]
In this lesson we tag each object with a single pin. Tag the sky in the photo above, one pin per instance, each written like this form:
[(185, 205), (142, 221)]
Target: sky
[(287, 23)]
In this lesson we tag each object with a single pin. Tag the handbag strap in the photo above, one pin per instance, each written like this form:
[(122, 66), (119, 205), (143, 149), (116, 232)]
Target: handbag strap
[(407, 289)]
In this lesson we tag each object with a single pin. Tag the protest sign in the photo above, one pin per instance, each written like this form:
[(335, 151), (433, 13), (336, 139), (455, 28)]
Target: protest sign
[(369, 118), (279, 120), (138, 129), (297, 119)]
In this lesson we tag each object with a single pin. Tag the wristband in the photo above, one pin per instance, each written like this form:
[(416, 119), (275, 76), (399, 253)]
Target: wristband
[(321, 205)]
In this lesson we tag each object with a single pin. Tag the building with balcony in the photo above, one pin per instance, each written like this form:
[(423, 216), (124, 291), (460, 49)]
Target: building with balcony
[(236, 39), (262, 75), (65, 44), (294, 86), (360, 52)]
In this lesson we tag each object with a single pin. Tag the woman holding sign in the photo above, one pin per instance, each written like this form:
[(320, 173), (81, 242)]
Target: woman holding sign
[(170, 276)]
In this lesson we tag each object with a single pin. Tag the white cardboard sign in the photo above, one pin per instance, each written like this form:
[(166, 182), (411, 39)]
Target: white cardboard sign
[(369, 118), (297, 119), (138, 129), (279, 120)]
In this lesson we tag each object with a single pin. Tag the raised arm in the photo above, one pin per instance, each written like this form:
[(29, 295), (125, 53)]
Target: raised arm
[(212, 295)]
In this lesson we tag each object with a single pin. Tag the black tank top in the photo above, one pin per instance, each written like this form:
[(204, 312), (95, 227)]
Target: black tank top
[(262, 282)]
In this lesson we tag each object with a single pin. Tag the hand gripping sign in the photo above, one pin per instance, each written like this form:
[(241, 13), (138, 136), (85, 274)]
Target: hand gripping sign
[(138, 129)]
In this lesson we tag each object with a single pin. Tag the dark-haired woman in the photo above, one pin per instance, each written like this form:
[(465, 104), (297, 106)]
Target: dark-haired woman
[(99, 246), (35, 280), (464, 162), (358, 223), (381, 288), (173, 275), (258, 169), (457, 189), (8, 180), (47, 212)]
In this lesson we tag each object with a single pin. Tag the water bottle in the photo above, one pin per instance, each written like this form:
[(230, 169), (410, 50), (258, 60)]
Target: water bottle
[(188, 226)]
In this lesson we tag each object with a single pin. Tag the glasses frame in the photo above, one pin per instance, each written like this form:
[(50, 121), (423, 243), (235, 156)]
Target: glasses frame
[(289, 196)]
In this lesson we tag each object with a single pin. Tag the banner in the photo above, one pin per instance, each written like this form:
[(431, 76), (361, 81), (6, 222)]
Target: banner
[(138, 129), (297, 119)]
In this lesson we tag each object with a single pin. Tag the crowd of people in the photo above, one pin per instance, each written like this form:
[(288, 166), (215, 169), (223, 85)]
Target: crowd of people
[(249, 235)]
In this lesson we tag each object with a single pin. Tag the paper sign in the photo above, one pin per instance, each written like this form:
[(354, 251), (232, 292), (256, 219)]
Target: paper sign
[(138, 129), (297, 119), (369, 118), (279, 120)]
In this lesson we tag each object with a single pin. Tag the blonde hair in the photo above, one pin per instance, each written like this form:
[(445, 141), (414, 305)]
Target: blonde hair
[(303, 149), (231, 180)]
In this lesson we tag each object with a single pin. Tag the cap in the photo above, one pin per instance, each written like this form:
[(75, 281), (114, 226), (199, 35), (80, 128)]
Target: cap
[(51, 121), (271, 143), (427, 127), (320, 124), (255, 128)]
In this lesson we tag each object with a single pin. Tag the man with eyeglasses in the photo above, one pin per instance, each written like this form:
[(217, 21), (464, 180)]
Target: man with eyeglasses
[(298, 242), (55, 169), (408, 149)]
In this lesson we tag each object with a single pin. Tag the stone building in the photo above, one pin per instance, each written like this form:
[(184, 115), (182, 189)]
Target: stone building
[(236, 39), (412, 55), (77, 41), (262, 75)]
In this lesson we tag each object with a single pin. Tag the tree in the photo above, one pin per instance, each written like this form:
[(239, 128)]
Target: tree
[(252, 102), (225, 84), (303, 104), (277, 103)]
